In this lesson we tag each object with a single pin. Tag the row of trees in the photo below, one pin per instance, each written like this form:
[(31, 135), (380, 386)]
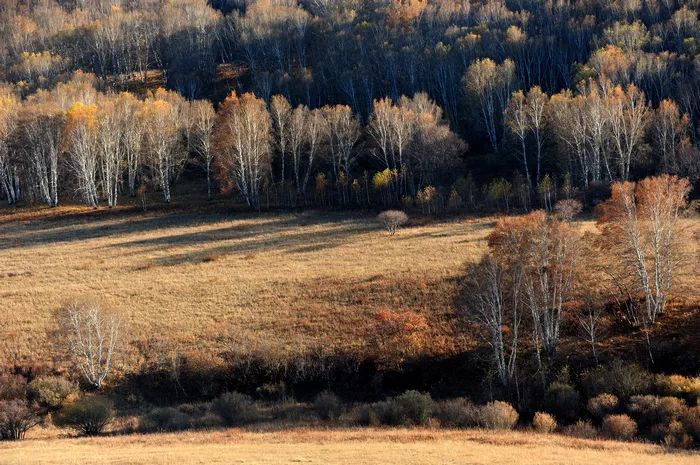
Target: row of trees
[(100, 145), (534, 276)]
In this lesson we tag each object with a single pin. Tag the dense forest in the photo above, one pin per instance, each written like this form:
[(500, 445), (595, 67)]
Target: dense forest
[(439, 103)]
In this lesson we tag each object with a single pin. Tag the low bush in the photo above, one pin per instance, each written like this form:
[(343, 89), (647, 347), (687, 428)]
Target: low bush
[(328, 406), (680, 386), (51, 391), (16, 418), (581, 429), (88, 416), (691, 421), (619, 427), (602, 405), (235, 409), (207, 421), (289, 410), (392, 219), (498, 415), (415, 407), (563, 401), (620, 378), (457, 413), (673, 434), (165, 419), (652, 410), (544, 423), (196, 409), (13, 387), (410, 408), (389, 413), (567, 209), (365, 415)]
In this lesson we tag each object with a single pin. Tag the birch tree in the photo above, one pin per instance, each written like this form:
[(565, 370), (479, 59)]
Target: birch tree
[(490, 84), (544, 250), (281, 113), (9, 175), (669, 130), (314, 137), (130, 115), (516, 120), (110, 147), (343, 132), (42, 127), (202, 118), (163, 147), (81, 145), (91, 335), (495, 304), (242, 138), (640, 224), (628, 116)]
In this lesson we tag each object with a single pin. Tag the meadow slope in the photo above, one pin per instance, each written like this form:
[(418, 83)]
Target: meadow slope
[(282, 282)]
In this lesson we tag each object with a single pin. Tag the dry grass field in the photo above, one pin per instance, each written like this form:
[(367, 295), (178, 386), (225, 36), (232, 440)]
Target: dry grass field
[(336, 447), (288, 282), (203, 279)]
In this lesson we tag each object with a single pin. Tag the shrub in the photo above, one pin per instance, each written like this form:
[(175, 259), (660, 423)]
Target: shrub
[(165, 419), (50, 391), (457, 413), (619, 427), (691, 420), (392, 219), (602, 405), (207, 421), (622, 379), (289, 410), (498, 415), (235, 409), (365, 415), (389, 413), (88, 416), (563, 401), (544, 422), (415, 407), (195, 410), (13, 387), (677, 436), (16, 418), (677, 385), (567, 209), (582, 429), (328, 406), (651, 410)]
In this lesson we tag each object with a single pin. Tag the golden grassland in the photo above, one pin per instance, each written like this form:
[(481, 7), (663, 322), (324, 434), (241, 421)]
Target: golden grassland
[(204, 278), (346, 446), (290, 281)]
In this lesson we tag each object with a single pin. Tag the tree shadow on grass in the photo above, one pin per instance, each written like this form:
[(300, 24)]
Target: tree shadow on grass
[(78, 228), (250, 243)]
